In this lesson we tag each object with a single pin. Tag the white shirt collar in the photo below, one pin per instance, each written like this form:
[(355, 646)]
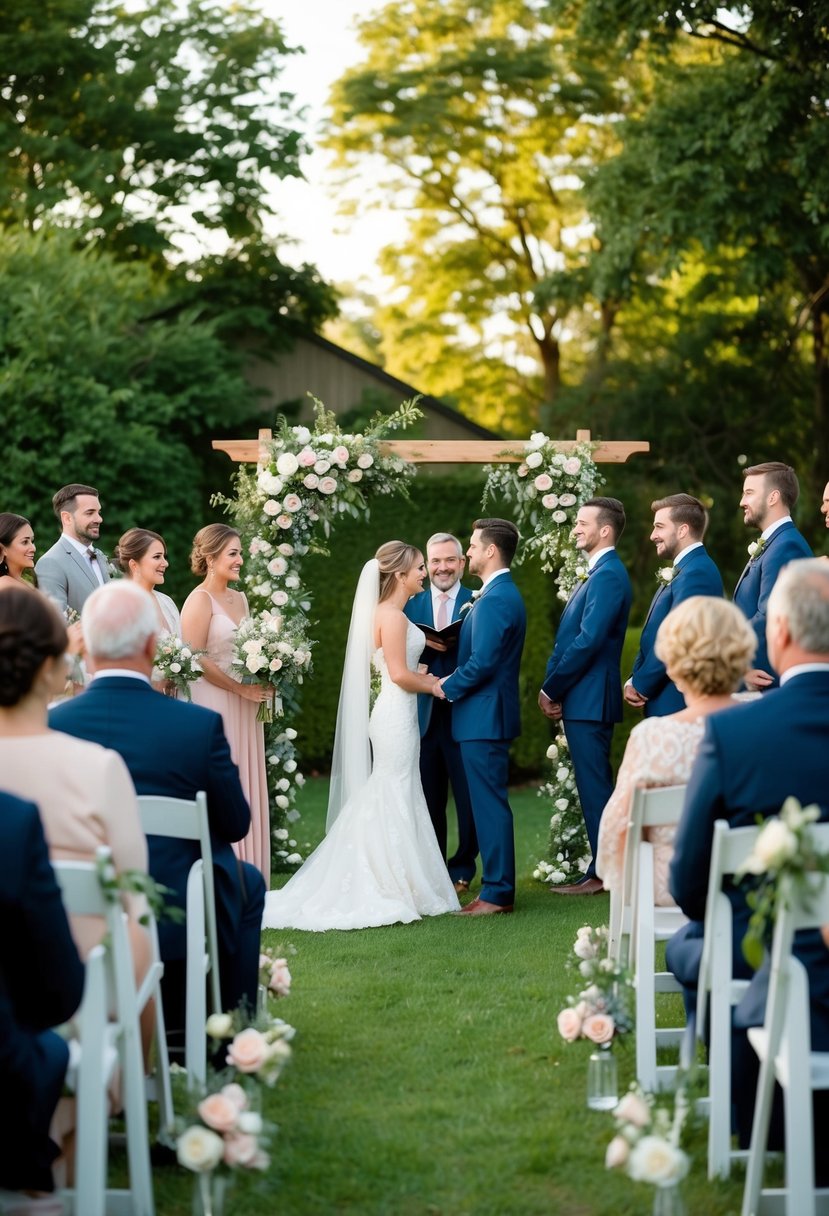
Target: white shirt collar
[(120, 671), (594, 557), (697, 544), (778, 523), (802, 669), (452, 592), (82, 549), (495, 573)]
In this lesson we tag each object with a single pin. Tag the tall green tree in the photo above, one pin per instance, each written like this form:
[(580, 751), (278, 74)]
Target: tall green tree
[(483, 120)]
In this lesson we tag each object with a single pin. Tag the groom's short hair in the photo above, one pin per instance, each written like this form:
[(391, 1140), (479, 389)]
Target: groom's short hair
[(65, 499), (609, 512), (777, 476), (501, 533), (684, 509)]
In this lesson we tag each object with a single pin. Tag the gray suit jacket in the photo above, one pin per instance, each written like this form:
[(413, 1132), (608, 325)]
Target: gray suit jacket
[(66, 577)]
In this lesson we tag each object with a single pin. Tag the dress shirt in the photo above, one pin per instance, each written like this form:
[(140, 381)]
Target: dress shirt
[(802, 669), (594, 557), (697, 544), (778, 523), (84, 552), (121, 671)]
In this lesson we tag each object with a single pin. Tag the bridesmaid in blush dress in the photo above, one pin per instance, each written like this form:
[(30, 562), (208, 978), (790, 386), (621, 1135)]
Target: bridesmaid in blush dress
[(211, 614)]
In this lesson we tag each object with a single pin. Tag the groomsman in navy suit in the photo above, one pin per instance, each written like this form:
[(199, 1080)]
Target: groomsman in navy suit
[(41, 985), (440, 755), (679, 524), (175, 749), (486, 716), (770, 492), (583, 684), (752, 758)]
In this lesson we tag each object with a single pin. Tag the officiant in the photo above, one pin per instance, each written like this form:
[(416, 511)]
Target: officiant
[(440, 605)]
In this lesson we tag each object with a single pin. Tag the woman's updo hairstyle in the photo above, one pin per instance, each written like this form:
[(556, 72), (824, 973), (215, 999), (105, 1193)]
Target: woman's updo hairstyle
[(133, 545), (10, 525), (394, 557), (31, 631), (707, 645), (208, 543)]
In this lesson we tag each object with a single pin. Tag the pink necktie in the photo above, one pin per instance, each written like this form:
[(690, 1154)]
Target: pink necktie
[(442, 620)]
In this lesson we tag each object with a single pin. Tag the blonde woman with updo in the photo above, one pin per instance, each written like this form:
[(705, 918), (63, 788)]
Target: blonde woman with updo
[(707, 647), (380, 863), (209, 619)]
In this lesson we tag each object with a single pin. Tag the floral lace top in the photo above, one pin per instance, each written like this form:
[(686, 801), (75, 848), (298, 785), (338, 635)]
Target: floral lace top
[(660, 751)]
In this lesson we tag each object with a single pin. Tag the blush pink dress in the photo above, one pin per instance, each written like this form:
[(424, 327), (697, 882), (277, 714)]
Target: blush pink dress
[(660, 751), (245, 735)]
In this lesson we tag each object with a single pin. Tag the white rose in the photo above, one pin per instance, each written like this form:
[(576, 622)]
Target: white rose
[(290, 733), (322, 466), (340, 455), (559, 517), (175, 667), (299, 779), (667, 574), (533, 460), (572, 465), (543, 482), (255, 662), (327, 485), (284, 521), (277, 566), (281, 833), (365, 460), (292, 581), (283, 803), (289, 766), (562, 804), (568, 500), (286, 550), (537, 440), (775, 845), (287, 464), (355, 475), (654, 1160), (310, 481), (219, 1026), (552, 752), (186, 652), (271, 507), (562, 774), (199, 1149), (294, 859), (550, 501), (279, 598)]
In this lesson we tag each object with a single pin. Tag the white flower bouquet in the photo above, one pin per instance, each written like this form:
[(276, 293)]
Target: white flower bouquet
[(177, 665), (273, 650), (648, 1135), (568, 851), (547, 488), (603, 1007)]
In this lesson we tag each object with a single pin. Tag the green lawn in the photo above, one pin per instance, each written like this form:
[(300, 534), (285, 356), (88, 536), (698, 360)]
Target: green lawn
[(428, 1078)]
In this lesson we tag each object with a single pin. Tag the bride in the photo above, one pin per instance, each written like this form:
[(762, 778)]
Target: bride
[(379, 863)]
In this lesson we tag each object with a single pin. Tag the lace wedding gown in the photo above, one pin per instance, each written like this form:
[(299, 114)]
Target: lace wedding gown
[(380, 863)]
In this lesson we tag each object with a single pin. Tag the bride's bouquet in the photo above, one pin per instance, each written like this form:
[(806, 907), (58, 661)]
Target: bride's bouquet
[(177, 665), (271, 650)]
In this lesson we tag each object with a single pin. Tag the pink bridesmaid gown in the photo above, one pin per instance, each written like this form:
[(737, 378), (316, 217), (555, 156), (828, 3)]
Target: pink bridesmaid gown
[(246, 737)]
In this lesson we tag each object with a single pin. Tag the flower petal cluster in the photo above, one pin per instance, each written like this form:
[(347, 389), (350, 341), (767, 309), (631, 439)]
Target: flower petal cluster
[(568, 851), (176, 663), (603, 1007), (648, 1135)]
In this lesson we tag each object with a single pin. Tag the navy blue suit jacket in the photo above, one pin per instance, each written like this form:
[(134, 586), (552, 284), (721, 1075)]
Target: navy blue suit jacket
[(175, 749), (420, 611), (484, 686), (696, 574), (583, 670), (751, 595)]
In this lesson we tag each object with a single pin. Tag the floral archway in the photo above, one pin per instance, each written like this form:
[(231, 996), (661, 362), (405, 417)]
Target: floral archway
[(304, 479)]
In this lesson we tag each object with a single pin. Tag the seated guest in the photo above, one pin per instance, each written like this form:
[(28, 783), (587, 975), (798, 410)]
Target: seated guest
[(41, 985), (175, 749), (707, 647), (750, 760), (84, 792)]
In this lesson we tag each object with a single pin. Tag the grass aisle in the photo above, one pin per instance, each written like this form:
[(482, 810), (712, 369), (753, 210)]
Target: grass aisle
[(428, 1077)]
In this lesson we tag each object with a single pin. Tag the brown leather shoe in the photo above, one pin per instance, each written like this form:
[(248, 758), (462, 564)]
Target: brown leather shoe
[(461, 885), (589, 886), (480, 907)]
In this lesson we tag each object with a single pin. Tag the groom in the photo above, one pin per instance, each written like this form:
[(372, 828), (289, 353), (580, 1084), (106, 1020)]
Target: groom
[(485, 713)]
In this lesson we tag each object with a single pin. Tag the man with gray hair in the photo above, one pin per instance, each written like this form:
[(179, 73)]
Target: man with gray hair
[(752, 758), (439, 605), (175, 749)]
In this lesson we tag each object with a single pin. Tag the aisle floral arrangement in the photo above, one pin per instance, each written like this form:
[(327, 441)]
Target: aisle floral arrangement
[(568, 850), (647, 1144), (603, 1008), (285, 509)]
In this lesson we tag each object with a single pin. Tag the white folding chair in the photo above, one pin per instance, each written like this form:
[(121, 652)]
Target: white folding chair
[(783, 1045), (718, 992), (84, 895), (183, 819), (649, 924)]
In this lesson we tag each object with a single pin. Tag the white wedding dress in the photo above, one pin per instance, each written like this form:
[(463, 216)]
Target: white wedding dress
[(380, 863)]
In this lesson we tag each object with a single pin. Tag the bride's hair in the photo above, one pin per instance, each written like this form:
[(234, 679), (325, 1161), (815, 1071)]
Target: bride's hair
[(394, 557)]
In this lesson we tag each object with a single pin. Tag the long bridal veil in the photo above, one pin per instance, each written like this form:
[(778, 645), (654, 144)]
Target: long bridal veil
[(351, 762)]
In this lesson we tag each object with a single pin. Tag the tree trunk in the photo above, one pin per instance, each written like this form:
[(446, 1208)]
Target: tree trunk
[(550, 353)]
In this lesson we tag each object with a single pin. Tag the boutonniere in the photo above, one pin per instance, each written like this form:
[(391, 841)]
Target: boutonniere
[(471, 603), (755, 549), (666, 575), (580, 573)]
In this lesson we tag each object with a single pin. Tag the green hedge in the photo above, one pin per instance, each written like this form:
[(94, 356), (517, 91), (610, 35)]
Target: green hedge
[(448, 503)]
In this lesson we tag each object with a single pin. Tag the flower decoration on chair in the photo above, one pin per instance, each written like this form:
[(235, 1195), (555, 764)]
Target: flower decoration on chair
[(784, 846), (547, 488), (285, 509), (603, 1008), (648, 1136), (568, 850)]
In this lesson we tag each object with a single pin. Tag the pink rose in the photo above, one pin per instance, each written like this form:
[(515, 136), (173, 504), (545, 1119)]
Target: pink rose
[(549, 501), (327, 485), (310, 481), (569, 1025), (235, 1094), (271, 507), (599, 1028), (572, 465), (248, 1051), (365, 461), (522, 470), (307, 458), (280, 980), (633, 1109), (284, 521), (543, 482), (617, 1153), (292, 502), (240, 1149), (218, 1112), (340, 454)]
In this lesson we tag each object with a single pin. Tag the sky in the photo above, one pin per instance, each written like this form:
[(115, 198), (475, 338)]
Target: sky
[(343, 248)]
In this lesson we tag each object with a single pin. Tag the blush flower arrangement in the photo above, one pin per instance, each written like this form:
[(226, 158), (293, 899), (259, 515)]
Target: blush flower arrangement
[(568, 850), (647, 1143), (275, 650), (547, 488), (784, 846), (603, 1008), (177, 664)]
